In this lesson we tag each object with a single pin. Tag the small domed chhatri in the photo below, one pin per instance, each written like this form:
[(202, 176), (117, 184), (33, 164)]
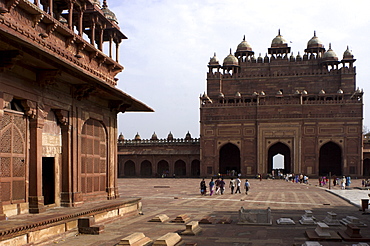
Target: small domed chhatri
[(170, 136), (347, 55), (154, 136), (330, 54), (108, 13), (230, 60), (314, 42), (244, 46), (137, 137), (214, 60), (278, 41)]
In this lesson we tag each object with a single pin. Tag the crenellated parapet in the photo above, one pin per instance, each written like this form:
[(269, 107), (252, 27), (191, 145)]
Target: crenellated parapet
[(72, 31), (154, 140)]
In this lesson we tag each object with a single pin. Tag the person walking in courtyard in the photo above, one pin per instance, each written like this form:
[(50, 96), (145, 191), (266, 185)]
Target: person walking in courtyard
[(217, 184), (238, 184), (203, 187), (211, 187), (232, 185), (222, 186), (247, 186), (343, 183)]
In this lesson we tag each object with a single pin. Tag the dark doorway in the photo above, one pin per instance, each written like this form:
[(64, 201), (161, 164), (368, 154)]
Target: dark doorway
[(180, 168), (129, 168), (163, 168), (330, 159), (229, 159), (279, 148), (146, 169), (367, 167), (48, 180), (195, 168)]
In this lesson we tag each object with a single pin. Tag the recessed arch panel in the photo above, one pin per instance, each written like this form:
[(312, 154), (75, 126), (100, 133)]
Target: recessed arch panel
[(330, 159), (229, 159)]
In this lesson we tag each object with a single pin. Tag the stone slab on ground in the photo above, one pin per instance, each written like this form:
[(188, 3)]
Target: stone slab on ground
[(192, 229), (160, 218), (136, 239), (169, 239)]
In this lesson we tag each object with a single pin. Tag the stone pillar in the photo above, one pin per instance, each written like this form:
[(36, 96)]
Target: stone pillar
[(36, 199), (70, 14), (112, 158)]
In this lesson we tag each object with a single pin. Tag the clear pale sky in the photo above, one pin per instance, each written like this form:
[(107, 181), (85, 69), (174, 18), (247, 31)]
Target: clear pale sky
[(170, 43)]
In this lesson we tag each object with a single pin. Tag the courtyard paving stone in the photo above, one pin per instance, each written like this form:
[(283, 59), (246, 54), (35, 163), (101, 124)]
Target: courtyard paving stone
[(175, 196)]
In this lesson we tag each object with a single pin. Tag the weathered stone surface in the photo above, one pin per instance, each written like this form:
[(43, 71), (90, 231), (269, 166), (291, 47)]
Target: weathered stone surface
[(182, 218), (192, 229), (170, 239), (285, 221), (352, 220), (331, 219), (225, 220), (207, 220), (255, 216), (160, 218), (135, 239)]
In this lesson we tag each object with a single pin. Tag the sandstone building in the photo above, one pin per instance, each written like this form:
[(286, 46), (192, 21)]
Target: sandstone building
[(58, 104), (306, 108), (156, 157)]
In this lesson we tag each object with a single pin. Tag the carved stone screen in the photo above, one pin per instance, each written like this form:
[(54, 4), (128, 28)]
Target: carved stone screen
[(12, 158)]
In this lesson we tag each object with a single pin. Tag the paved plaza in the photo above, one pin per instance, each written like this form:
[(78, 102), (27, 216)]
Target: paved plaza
[(175, 196)]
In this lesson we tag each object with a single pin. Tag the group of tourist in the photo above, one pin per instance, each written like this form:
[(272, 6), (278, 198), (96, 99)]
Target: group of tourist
[(217, 186)]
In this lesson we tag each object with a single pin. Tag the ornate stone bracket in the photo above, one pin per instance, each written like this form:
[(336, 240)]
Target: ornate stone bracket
[(8, 59), (30, 108), (83, 91), (70, 40), (62, 116), (118, 106), (47, 77), (11, 4), (101, 61), (93, 54), (37, 19)]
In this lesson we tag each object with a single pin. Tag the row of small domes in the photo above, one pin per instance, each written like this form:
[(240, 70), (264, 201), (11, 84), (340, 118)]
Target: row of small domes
[(262, 93), (155, 137), (280, 42)]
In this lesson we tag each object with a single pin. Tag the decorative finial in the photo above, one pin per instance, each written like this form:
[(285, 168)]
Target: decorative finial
[(244, 38), (230, 51), (314, 33), (279, 32), (105, 6), (329, 46)]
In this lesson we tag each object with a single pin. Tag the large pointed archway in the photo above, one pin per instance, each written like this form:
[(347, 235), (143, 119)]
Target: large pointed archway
[(229, 159), (283, 149), (330, 159)]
